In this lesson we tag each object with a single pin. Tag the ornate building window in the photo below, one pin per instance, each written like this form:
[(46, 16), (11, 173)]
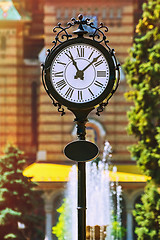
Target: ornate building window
[(58, 12), (104, 13), (3, 43), (119, 13), (96, 11), (66, 13), (74, 13), (111, 13)]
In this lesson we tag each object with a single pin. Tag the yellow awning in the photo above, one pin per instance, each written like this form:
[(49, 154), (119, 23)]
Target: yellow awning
[(127, 177), (48, 172), (128, 168)]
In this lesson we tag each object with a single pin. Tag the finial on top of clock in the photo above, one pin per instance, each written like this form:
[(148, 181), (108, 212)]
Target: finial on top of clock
[(80, 16), (80, 30)]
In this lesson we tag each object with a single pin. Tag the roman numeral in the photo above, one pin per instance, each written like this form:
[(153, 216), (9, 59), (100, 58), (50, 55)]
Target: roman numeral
[(101, 73), (80, 52), (58, 74), (91, 55), (98, 63), (62, 63), (69, 54), (90, 91), (80, 95), (61, 84), (69, 92), (99, 84)]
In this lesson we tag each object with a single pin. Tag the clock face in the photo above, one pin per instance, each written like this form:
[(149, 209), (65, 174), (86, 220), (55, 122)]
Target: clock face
[(80, 73)]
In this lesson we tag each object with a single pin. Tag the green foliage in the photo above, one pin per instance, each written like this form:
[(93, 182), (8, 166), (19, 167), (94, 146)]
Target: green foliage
[(62, 230), (147, 214), (10, 236), (18, 198), (143, 71), (6, 214)]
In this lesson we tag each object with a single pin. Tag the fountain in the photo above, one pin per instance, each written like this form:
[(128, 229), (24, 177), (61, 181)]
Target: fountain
[(103, 201)]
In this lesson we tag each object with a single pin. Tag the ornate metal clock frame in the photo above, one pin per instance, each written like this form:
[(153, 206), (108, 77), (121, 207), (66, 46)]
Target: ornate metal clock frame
[(81, 150), (97, 38)]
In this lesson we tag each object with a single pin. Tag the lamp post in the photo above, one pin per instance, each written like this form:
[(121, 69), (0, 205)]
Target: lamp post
[(82, 74)]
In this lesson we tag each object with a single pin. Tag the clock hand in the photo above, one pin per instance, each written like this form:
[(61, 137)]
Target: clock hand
[(94, 60), (73, 61), (79, 74)]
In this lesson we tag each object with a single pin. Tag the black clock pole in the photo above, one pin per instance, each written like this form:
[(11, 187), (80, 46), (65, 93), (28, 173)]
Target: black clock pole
[(81, 120), (81, 187)]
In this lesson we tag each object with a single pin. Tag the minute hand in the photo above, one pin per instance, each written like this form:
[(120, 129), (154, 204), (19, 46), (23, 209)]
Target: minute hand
[(94, 60)]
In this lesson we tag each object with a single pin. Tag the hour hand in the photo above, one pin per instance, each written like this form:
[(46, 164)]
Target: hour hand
[(79, 74), (73, 61)]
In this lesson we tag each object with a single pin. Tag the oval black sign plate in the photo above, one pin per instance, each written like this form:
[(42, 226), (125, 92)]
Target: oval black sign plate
[(81, 151)]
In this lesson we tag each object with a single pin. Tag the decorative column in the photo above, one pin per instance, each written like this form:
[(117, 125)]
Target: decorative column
[(48, 200), (130, 197), (48, 225), (129, 224)]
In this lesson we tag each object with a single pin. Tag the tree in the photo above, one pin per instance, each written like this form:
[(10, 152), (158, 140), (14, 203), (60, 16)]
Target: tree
[(143, 71), (143, 75), (17, 199), (147, 214)]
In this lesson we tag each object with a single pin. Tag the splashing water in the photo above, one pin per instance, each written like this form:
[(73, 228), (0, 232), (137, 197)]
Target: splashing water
[(103, 197)]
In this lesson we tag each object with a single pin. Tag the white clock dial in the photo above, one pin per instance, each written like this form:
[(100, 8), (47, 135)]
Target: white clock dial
[(79, 73)]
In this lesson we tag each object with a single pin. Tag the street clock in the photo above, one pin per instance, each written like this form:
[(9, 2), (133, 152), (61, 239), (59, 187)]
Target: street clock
[(80, 73)]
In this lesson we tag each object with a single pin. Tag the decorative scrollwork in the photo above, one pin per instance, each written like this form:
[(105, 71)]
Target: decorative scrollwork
[(56, 104), (63, 35), (98, 34)]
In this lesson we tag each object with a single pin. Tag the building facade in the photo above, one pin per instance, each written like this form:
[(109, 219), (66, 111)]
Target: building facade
[(27, 116)]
